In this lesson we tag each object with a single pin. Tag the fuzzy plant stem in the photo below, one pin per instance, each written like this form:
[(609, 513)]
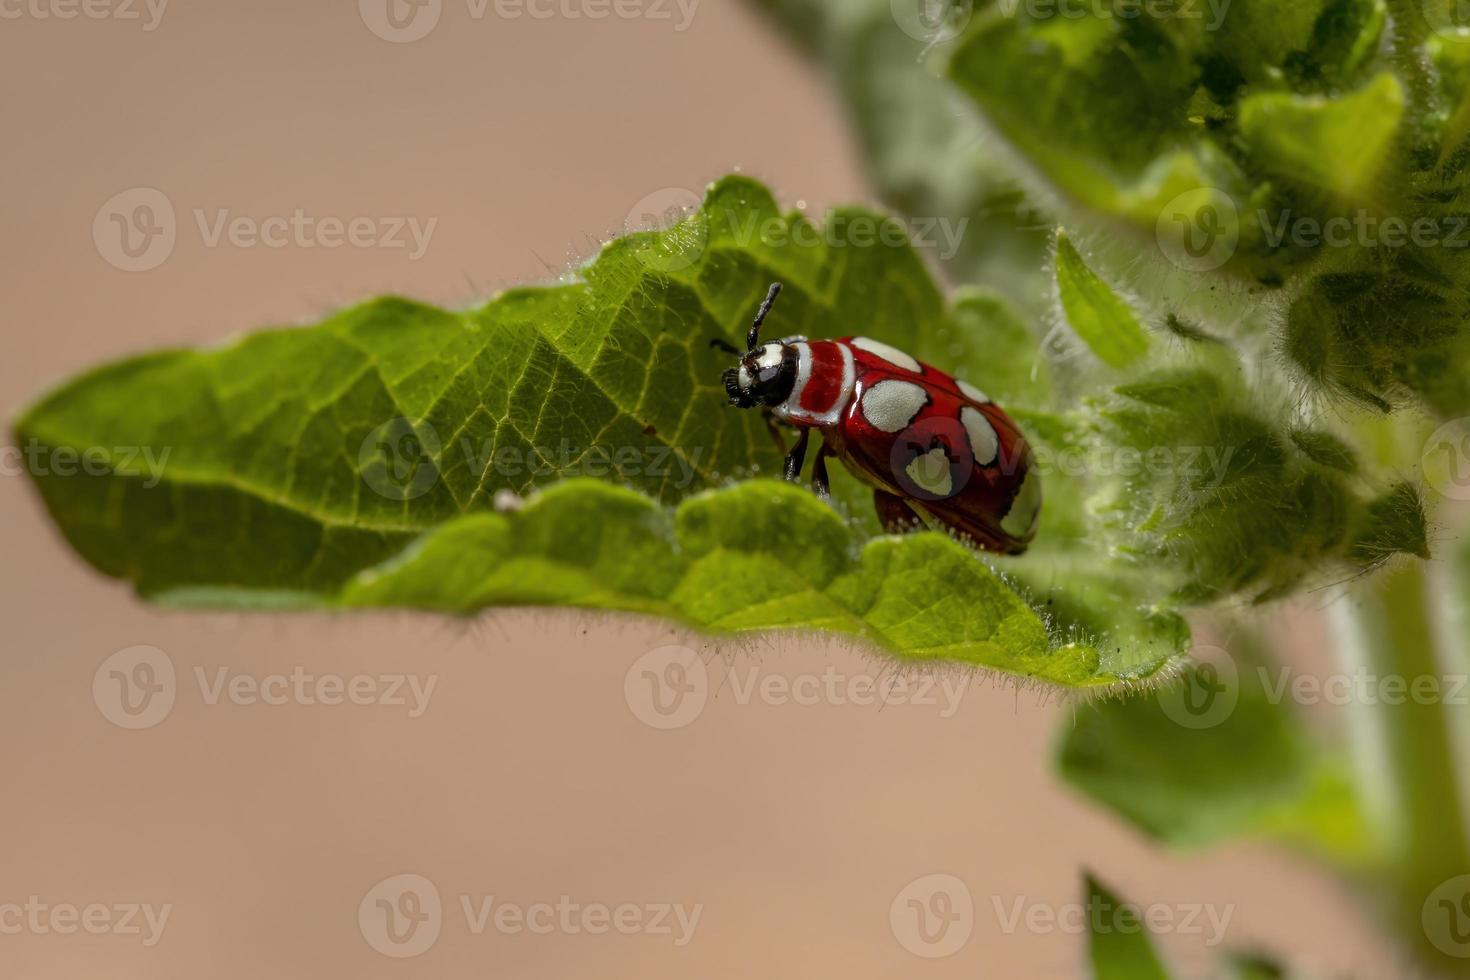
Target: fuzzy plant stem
[(1407, 37), (1406, 751)]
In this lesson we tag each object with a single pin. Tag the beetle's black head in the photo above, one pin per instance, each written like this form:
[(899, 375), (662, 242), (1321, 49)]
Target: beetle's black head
[(766, 372), (764, 376)]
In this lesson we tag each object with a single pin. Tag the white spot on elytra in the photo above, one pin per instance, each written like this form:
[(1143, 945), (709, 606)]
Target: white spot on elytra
[(930, 472), (983, 441), (973, 393), (892, 355), (891, 405), (1025, 508)]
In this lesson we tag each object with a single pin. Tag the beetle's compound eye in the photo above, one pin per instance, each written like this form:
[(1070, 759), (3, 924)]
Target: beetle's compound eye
[(768, 363), (768, 374)]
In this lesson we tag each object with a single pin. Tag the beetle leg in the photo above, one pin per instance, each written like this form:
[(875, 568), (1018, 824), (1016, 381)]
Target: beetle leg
[(797, 456), (894, 513), (819, 472), (774, 429)]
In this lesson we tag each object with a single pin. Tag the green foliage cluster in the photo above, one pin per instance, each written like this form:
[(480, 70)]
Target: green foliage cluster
[(1307, 154), (1317, 147), (1245, 506), (1267, 255)]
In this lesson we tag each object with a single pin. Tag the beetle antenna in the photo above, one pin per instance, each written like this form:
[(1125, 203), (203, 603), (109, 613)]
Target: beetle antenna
[(760, 316)]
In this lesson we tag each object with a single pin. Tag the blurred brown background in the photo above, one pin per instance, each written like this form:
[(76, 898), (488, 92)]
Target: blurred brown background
[(529, 775)]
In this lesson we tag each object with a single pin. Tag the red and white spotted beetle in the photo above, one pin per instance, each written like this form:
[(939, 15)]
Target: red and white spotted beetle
[(936, 451)]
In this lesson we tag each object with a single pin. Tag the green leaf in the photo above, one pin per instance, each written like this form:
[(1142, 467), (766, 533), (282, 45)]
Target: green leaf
[(1320, 145), (1238, 503), (1126, 114), (756, 556), (1119, 947), (1218, 754), (1095, 313), (1325, 449), (1254, 966), (1340, 145), (1394, 523), (1101, 122), (359, 461)]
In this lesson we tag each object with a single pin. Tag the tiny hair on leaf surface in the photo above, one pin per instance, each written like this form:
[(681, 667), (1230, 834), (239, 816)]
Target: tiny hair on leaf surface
[(758, 555), (357, 461)]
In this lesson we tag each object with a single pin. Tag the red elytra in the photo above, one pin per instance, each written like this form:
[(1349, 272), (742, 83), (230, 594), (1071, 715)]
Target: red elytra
[(936, 451)]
